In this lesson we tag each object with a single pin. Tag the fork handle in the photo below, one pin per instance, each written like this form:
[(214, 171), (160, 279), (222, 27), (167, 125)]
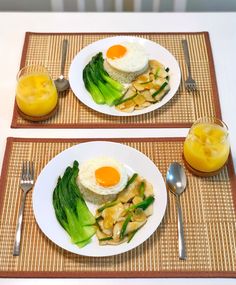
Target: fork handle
[(186, 55), (16, 249)]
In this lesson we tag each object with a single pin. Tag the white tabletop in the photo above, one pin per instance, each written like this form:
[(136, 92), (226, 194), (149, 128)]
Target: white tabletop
[(13, 26)]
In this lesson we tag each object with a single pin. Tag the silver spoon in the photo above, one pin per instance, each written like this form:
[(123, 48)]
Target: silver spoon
[(61, 83), (176, 181)]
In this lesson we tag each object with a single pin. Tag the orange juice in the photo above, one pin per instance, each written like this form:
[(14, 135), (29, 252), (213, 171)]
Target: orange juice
[(206, 147), (36, 94)]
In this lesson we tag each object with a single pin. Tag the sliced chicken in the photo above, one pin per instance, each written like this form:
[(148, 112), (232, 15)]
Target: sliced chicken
[(139, 216), (133, 226), (112, 214), (148, 190), (148, 212), (131, 191)]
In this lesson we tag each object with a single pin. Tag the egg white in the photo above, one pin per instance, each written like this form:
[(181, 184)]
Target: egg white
[(134, 60), (87, 175)]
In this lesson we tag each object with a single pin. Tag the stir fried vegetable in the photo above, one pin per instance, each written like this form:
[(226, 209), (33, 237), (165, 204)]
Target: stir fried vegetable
[(119, 220), (146, 89), (71, 210)]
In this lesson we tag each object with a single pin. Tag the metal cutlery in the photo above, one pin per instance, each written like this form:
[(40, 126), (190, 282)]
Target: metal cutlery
[(62, 84), (176, 181), (190, 83), (26, 184)]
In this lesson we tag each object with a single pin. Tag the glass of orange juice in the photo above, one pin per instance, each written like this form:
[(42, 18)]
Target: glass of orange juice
[(206, 147), (36, 94)]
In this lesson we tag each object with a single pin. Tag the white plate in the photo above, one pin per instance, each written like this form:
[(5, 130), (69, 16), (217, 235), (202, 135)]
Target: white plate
[(133, 160), (154, 50)]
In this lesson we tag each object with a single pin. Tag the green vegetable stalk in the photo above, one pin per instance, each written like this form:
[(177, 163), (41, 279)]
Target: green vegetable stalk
[(143, 205), (71, 210)]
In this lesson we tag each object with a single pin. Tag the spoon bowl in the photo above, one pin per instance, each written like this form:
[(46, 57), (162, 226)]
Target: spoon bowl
[(62, 84), (176, 181), (176, 178)]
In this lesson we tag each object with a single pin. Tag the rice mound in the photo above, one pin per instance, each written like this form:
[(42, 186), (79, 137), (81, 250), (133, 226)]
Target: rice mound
[(121, 76), (93, 197)]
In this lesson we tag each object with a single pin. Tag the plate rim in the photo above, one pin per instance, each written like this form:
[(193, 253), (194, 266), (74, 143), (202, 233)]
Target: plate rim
[(116, 113), (153, 229)]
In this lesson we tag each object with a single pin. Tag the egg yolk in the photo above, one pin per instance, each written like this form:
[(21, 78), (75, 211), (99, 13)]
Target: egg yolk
[(116, 51), (107, 176)]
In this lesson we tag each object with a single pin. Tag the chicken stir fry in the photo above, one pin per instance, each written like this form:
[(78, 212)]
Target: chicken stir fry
[(119, 220), (147, 89)]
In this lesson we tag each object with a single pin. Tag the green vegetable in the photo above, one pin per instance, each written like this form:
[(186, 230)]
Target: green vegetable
[(124, 226), (146, 82), (71, 210), (161, 88), (132, 235), (103, 89), (92, 87), (141, 189), (131, 180), (143, 205), (106, 238), (107, 205), (124, 100)]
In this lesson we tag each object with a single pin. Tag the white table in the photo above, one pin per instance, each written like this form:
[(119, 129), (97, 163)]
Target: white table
[(13, 26)]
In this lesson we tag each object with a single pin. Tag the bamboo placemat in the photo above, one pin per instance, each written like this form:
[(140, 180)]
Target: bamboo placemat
[(181, 111), (208, 211)]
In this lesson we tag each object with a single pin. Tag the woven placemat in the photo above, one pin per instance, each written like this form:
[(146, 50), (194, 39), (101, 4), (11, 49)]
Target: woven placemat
[(181, 111), (208, 211)]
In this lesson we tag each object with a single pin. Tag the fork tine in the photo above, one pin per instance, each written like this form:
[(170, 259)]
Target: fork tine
[(27, 170)]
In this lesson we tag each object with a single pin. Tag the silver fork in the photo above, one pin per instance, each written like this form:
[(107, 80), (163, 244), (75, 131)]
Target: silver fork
[(26, 184), (190, 83)]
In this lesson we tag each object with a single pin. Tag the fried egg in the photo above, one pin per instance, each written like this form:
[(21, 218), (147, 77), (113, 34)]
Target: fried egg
[(127, 57), (103, 175)]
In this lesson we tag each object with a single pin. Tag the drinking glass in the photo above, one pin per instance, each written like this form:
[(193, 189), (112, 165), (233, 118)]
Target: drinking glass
[(36, 94), (206, 147)]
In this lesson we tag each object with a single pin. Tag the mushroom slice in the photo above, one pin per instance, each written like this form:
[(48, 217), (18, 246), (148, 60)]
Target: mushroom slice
[(133, 226), (127, 110), (107, 231), (144, 105), (147, 94), (159, 82), (139, 99), (130, 92), (142, 78), (125, 106), (155, 66), (137, 199), (116, 231), (100, 234), (111, 215), (160, 95), (138, 86)]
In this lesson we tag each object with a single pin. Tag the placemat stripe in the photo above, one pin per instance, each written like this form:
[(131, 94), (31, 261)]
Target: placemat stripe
[(181, 111), (208, 208)]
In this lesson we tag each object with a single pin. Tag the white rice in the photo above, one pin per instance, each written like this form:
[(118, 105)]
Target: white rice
[(121, 76), (93, 197)]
